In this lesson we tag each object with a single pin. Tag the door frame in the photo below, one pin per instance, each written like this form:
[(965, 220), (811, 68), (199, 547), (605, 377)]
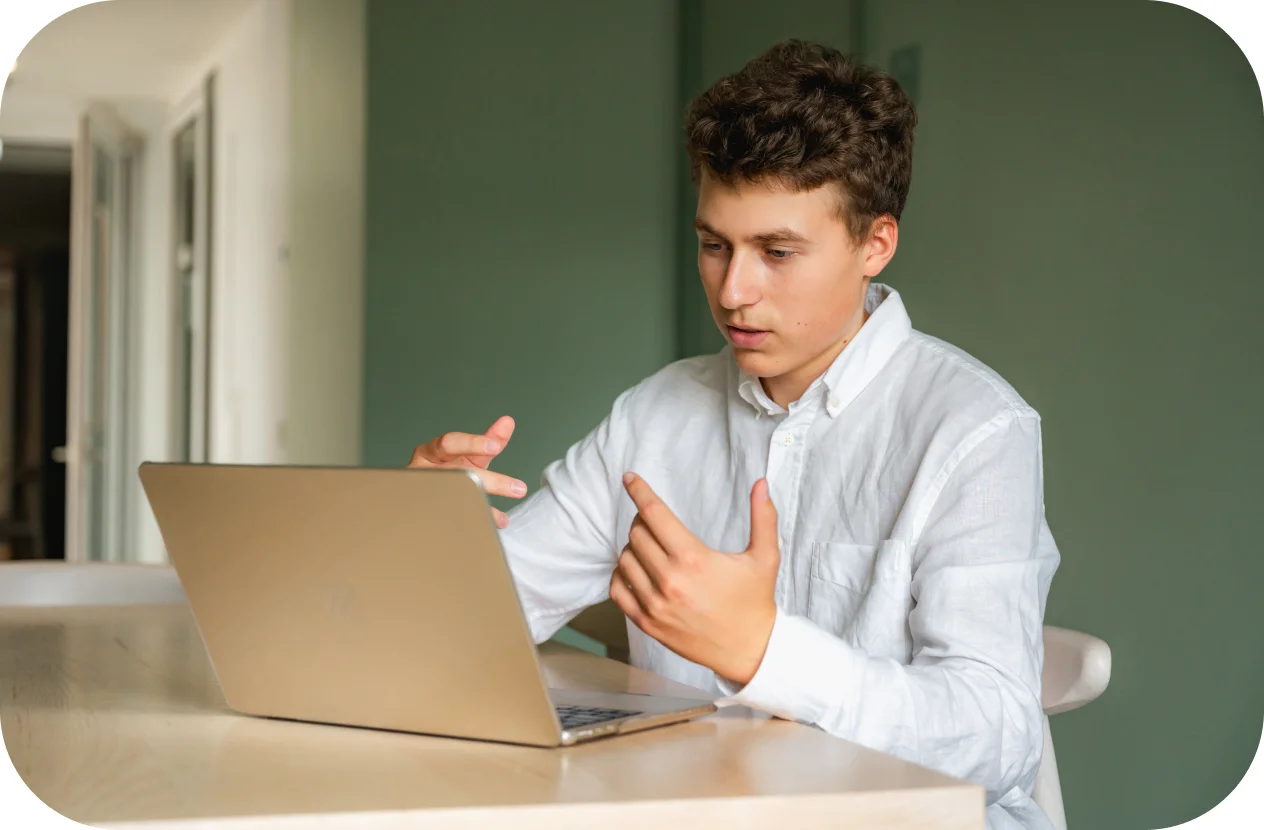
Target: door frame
[(191, 437), (99, 122)]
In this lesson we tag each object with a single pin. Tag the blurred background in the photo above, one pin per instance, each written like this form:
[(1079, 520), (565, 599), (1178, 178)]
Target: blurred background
[(325, 231)]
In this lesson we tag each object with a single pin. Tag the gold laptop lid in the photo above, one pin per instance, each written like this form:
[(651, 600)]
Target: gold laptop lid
[(365, 597)]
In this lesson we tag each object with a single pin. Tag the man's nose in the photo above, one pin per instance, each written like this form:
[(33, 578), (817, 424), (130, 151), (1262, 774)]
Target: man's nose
[(741, 283)]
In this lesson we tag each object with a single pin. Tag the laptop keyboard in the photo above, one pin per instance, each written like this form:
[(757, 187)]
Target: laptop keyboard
[(573, 717)]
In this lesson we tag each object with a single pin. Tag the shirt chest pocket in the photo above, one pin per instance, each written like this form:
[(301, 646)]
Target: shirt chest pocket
[(862, 594)]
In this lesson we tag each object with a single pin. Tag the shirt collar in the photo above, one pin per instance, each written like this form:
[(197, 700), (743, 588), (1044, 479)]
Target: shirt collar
[(859, 362)]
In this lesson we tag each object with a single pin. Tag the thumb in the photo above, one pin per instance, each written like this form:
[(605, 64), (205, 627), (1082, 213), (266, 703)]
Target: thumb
[(763, 536)]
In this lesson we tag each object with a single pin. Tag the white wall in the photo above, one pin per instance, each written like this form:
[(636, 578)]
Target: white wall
[(250, 213), (326, 287), (249, 238), (41, 119), (287, 258), (287, 269)]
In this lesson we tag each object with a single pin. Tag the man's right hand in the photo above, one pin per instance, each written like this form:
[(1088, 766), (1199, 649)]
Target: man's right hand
[(474, 452)]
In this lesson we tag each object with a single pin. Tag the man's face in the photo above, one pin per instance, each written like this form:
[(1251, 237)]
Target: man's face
[(785, 281)]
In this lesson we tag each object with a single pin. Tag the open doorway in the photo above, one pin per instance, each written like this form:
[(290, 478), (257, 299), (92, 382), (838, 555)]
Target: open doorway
[(35, 233), (127, 94), (65, 256)]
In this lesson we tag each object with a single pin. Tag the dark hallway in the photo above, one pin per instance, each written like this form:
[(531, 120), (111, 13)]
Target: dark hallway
[(35, 206)]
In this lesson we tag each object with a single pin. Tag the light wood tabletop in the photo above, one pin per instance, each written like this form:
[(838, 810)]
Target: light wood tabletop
[(112, 716)]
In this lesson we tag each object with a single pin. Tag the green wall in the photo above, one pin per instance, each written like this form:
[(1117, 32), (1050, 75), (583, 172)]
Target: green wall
[(1088, 195), (1085, 213), (520, 230)]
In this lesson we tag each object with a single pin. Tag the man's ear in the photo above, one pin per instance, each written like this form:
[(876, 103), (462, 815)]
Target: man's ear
[(884, 238)]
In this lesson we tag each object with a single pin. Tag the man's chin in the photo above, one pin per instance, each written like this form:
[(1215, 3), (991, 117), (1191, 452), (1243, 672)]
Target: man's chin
[(756, 363)]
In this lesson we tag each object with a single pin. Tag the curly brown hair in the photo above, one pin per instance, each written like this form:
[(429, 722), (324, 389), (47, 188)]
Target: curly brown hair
[(803, 115)]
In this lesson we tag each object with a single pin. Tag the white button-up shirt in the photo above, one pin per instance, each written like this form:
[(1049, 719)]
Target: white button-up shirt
[(915, 556)]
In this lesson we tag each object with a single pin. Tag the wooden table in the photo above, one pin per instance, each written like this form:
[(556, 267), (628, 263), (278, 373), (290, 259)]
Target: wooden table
[(113, 717)]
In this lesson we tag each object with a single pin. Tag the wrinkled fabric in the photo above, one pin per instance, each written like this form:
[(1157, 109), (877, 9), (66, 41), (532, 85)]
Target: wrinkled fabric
[(915, 556)]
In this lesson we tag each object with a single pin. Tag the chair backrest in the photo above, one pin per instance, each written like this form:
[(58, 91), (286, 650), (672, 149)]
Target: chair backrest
[(43, 583), (605, 623), (1076, 672)]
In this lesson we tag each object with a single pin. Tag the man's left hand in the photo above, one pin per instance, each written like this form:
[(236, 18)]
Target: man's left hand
[(712, 608)]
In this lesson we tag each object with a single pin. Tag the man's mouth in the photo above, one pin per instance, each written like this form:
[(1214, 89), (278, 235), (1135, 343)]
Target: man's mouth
[(744, 336)]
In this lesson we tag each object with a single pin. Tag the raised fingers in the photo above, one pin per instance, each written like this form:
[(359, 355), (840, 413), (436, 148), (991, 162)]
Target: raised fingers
[(499, 484), (668, 530), (500, 433), (454, 446)]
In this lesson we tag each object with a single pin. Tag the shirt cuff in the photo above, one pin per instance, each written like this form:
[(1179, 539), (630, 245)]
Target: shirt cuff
[(806, 674)]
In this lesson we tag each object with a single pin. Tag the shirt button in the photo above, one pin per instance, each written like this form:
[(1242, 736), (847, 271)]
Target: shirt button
[(781, 543), (835, 403), (788, 440)]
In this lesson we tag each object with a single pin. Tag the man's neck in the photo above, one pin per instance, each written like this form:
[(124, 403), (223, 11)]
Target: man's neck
[(788, 388)]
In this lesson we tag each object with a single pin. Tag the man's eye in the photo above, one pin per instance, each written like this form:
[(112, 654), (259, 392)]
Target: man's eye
[(713, 246), (777, 253)]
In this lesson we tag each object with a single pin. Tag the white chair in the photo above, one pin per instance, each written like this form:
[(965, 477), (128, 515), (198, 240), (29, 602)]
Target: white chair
[(54, 583), (1077, 671)]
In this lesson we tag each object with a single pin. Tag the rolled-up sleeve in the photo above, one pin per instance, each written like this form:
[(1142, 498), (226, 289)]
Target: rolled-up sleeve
[(968, 703)]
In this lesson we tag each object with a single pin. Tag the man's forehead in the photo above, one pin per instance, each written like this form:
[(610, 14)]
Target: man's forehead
[(754, 209)]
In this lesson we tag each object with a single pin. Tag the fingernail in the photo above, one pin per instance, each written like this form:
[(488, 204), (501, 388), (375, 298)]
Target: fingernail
[(518, 488), (491, 446), (628, 478)]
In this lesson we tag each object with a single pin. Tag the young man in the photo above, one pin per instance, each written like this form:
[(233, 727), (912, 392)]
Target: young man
[(836, 519)]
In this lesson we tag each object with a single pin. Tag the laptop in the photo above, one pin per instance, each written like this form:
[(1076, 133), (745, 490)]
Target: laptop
[(376, 598)]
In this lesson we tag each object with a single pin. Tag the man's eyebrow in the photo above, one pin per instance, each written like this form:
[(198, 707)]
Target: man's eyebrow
[(779, 235), (705, 228), (771, 237)]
